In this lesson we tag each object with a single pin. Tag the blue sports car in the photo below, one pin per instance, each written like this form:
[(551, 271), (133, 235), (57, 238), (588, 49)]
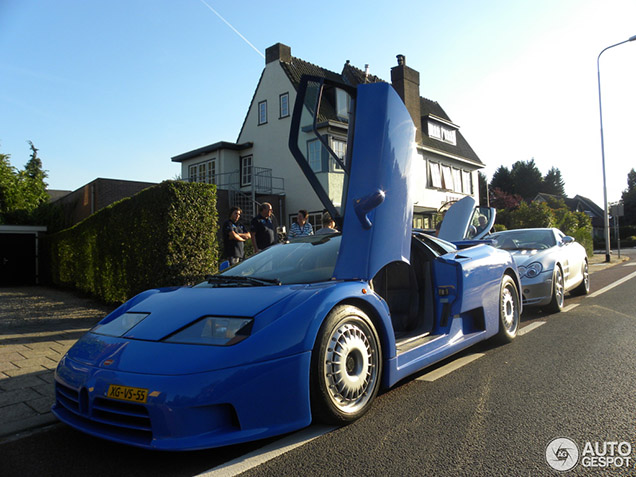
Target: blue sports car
[(304, 331)]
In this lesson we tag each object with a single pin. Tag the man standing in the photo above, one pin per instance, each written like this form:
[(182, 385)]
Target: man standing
[(234, 236), (262, 228), (300, 227)]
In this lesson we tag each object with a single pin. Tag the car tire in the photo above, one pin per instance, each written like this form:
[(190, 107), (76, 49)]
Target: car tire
[(558, 291), (584, 286), (509, 313), (346, 366)]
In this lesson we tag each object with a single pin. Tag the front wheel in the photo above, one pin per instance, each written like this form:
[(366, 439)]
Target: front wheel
[(558, 291), (346, 366), (509, 313)]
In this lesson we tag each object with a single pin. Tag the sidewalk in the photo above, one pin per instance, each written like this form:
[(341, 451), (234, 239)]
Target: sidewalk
[(37, 326)]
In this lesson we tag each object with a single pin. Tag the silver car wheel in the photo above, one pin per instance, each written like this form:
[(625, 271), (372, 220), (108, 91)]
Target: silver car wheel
[(559, 288), (350, 367)]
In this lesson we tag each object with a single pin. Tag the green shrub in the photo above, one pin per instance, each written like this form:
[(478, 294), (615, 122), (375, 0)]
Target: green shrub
[(162, 236)]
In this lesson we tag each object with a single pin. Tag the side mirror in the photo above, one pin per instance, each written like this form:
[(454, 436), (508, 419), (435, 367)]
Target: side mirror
[(568, 240)]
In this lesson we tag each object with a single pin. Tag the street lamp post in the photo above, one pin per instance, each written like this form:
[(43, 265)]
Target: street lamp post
[(600, 109)]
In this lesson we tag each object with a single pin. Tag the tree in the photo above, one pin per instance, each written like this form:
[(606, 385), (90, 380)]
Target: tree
[(553, 183), (527, 179), (483, 188), (629, 200), (21, 192), (502, 179)]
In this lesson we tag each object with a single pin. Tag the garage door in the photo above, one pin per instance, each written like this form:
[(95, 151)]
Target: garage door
[(17, 259)]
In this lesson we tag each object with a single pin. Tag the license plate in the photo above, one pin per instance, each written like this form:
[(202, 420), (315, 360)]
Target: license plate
[(126, 393)]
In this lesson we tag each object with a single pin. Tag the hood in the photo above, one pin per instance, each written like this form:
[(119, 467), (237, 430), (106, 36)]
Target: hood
[(377, 216), (525, 257), (170, 310)]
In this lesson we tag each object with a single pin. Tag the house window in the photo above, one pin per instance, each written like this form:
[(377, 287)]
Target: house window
[(314, 155), (262, 112), (246, 171), (340, 148), (457, 180), (283, 102), (447, 176), (467, 183), (203, 172), (436, 176), (442, 133)]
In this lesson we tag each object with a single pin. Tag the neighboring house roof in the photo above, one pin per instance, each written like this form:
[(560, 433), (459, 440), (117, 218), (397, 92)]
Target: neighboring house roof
[(577, 203), (211, 148)]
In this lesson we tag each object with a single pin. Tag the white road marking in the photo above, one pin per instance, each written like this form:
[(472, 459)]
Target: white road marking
[(260, 456), (532, 326), (450, 367), (569, 307), (615, 284), (630, 264)]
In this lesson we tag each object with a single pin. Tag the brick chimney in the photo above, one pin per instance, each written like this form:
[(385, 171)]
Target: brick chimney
[(278, 52), (406, 81)]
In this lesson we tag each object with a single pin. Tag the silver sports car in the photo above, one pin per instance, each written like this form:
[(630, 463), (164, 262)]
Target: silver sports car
[(549, 262)]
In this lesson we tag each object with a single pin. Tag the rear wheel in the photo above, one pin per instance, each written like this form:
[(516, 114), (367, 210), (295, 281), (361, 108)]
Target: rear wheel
[(509, 314), (584, 287), (346, 366), (558, 291)]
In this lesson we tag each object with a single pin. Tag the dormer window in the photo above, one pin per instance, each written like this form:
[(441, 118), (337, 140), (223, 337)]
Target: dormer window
[(442, 132)]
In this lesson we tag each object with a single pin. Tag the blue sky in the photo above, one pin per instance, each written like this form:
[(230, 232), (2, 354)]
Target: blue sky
[(115, 88)]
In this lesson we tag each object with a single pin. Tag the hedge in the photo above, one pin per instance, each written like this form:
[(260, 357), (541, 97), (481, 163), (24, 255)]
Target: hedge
[(163, 236)]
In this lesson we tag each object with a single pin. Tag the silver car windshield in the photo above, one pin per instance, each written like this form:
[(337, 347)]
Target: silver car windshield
[(524, 239), (304, 260)]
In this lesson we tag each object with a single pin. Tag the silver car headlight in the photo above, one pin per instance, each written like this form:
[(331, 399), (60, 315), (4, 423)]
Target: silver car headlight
[(214, 330), (121, 325), (533, 269)]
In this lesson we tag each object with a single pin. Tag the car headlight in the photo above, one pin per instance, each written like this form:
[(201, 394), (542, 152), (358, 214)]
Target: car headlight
[(121, 325), (214, 330), (533, 269)]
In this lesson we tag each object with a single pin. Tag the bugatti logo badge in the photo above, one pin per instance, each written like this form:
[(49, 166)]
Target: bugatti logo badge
[(108, 362)]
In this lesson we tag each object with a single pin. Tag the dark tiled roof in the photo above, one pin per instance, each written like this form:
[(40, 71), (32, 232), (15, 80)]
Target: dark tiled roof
[(355, 76)]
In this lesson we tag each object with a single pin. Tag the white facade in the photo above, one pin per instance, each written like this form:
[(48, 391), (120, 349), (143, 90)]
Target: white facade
[(263, 144)]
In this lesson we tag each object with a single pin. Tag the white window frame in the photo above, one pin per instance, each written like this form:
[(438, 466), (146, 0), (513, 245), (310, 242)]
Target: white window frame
[(457, 180), (246, 171), (262, 112), (342, 104), (447, 177), (283, 105), (338, 146), (314, 162), (436, 175), (203, 171), (467, 182)]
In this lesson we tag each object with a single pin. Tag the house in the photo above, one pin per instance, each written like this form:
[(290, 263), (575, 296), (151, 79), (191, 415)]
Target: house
[(579, 204), (259, 165), (95, 195)]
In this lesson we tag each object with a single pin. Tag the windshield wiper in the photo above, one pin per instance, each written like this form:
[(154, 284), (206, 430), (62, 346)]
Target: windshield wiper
[(219, 279)]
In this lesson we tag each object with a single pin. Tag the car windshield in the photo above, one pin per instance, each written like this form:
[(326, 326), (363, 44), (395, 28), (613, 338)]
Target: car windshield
[(304, 260), (524, 239)]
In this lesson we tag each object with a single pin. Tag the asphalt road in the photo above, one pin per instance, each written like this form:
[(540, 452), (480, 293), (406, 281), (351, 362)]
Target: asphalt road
[(572, 376)]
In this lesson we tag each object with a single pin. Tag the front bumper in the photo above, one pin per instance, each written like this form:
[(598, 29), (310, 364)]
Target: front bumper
[(187, 412), (537, 291)]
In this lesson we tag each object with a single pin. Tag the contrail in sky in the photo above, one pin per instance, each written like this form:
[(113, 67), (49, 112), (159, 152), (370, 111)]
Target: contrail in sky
[(234, 29)]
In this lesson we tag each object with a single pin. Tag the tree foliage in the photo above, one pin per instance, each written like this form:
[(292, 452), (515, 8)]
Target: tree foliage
[(527, 179), (21, 191), (553, 183), (629, 200), (483, 188)]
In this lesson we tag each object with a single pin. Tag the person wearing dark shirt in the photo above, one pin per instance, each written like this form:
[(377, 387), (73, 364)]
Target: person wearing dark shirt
[(262, 228), (234, 236)]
